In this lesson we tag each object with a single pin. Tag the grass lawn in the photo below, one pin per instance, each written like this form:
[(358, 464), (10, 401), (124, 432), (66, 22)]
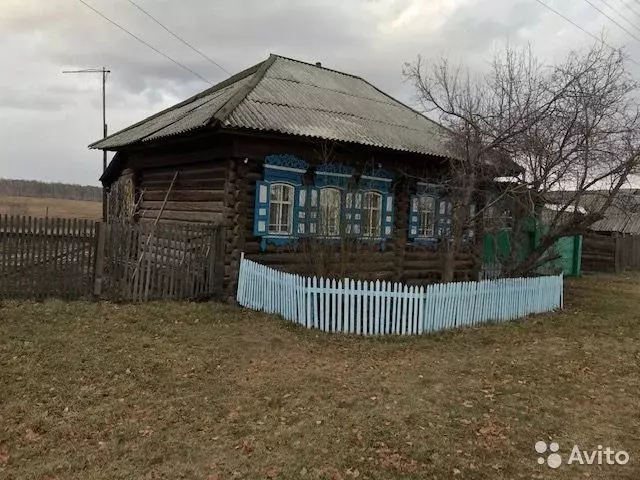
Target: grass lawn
[(53, 207), (171, 390)]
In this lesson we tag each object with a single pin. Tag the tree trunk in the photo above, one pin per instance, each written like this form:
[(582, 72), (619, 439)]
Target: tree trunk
[(449, 266)]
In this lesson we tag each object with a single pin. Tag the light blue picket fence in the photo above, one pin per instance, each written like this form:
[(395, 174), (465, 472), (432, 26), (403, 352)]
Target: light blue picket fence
[(385, 308)]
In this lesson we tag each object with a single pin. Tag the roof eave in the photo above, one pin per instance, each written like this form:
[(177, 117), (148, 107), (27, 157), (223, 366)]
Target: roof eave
[(259, 67)]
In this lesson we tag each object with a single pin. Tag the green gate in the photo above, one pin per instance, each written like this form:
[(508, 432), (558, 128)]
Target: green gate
[(497, 246)]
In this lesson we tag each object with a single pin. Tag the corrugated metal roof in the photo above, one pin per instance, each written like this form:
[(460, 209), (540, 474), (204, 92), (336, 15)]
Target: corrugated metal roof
[(633, 225), (174, 120), (611, 223), (623, 215), (300, 99), (297, 98)]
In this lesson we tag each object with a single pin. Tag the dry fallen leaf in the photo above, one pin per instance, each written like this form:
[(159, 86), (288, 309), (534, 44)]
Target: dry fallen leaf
[(271, 473), (31, 435)]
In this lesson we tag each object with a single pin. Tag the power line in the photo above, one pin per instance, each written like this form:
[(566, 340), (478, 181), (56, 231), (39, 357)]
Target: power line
[(178, 37), (624, 2), (181, 65), (613, 21), (620, 15), (584, 30)]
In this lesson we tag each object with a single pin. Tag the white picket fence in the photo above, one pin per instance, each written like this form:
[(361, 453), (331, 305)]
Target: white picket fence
[(386, 308)]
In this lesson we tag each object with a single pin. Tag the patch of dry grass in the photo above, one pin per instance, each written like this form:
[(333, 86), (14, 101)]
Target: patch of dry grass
[(53, 207), (170, 390)]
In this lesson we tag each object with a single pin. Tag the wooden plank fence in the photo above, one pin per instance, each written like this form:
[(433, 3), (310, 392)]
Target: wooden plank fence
[(613, 254), (73, 259), (599, 253), (385, 308), (46, 257), (164, 261)]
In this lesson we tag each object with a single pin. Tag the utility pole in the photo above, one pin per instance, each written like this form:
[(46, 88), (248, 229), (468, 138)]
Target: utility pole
[(104, 72)]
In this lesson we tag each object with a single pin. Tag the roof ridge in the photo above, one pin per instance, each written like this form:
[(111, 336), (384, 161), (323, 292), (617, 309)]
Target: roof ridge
[(236, 99), (368, 83), (407, 106), (320, 66), (330, 90), (218, 86)]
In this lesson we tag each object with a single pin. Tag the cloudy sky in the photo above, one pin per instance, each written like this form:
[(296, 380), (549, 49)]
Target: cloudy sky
[(47, 119)]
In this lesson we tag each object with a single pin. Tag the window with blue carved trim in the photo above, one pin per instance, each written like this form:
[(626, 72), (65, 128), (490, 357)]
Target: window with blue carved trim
[(353, 213), (426, 216), (371, 214), (336, 204), (427, 213), (444, 220), (281, 209), (330, 212)]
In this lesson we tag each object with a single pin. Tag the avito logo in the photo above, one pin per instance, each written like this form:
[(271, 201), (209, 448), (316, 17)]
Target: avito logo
[(600, 456)]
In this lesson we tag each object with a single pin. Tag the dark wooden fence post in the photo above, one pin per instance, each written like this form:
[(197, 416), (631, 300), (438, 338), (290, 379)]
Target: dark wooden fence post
[(617, 254), (101, 235), (101, 238)]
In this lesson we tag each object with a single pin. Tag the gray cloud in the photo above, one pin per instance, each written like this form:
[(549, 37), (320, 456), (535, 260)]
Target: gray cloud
[(47, 119)]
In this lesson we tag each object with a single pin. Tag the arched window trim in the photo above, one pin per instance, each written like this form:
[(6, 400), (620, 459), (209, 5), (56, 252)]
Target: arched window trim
[(372, 229), (327, 227), (423, 232), (276, 214)]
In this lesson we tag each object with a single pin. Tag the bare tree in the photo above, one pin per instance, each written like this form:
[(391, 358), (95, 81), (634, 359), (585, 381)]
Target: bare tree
[(570, 127), (333, 250)]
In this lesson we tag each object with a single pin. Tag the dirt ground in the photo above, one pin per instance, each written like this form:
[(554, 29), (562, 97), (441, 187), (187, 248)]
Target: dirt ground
[(202, 391)]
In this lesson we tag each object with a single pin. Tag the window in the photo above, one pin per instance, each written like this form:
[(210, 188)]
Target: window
[(330, 200), (426, 212), (469, 233), (444, 221), (497, 217), (281, 209), (372, 210)]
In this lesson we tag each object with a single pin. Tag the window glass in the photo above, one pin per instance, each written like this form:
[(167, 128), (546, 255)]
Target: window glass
[(330, 200), (497, 217), (281, 209), (372, 210), (426, 216)]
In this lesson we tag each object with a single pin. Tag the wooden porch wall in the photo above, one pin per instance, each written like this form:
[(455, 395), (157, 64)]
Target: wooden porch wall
[(197, 195)]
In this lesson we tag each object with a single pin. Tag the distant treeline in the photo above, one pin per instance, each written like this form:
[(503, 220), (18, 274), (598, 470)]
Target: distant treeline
[(34, 188)]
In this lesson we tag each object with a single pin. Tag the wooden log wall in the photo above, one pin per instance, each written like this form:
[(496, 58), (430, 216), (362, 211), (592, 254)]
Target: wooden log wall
[(401, 261), (197, 195), (235, 219), (216, 183)]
